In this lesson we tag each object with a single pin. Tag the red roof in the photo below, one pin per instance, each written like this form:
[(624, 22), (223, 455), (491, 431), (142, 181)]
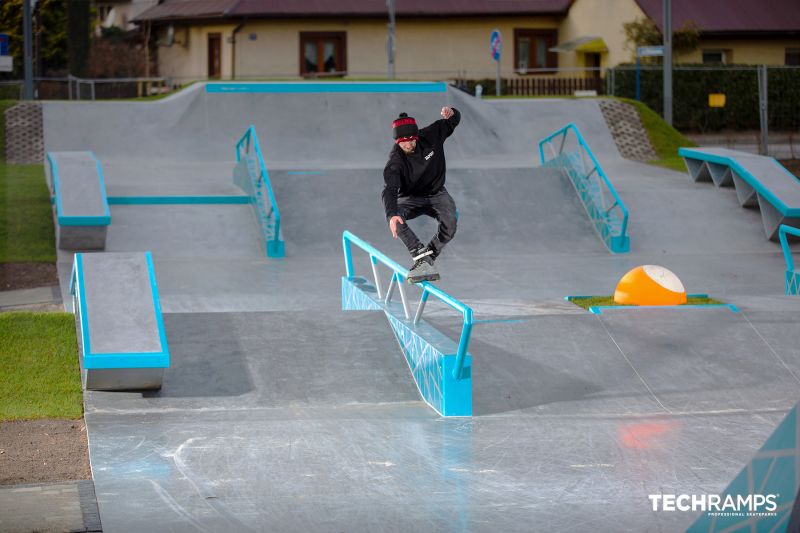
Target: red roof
[(175, 9), (187, 9), (734, 16)]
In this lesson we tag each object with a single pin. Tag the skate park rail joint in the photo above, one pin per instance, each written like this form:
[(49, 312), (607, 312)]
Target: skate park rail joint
[(251, 181), (446, 385), (603, 205), (792, 275)]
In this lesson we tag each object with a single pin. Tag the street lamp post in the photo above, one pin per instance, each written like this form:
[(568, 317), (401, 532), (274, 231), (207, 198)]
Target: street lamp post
[(668, 61), (27, 51), (390, 38)]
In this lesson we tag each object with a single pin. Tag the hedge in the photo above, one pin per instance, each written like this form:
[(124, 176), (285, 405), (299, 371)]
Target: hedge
[(691, 87)]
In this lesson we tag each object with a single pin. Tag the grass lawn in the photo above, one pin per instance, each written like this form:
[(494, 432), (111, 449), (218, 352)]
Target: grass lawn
[(26, 221), (41, 377), (597, 301), (665, 139)]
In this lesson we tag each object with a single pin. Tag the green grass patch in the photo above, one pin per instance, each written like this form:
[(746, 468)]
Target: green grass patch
[(26, 220), (665, 139), (39, 357), (601, 301)]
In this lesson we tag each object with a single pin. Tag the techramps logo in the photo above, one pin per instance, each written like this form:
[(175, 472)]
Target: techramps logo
[(752, 505)]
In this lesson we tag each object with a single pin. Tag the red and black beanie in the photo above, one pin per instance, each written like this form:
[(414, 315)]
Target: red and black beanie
[(405, 128)]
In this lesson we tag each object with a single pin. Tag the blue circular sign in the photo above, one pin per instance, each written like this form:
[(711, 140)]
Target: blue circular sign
[(496, 45)]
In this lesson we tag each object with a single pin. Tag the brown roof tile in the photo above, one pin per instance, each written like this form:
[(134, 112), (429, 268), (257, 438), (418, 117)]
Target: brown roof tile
[(721, 16), (173, 9)]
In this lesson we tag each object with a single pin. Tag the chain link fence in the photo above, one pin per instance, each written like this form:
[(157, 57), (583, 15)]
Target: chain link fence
[(755, 108), (72, 88)]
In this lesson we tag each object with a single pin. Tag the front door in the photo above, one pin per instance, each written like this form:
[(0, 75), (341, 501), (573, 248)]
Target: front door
[(214, 55)]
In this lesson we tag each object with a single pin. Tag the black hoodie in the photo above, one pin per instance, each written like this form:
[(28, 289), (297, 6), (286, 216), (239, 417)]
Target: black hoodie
[(421, 173)]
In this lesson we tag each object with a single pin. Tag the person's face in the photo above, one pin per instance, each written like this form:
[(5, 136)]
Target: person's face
[(408, 146)]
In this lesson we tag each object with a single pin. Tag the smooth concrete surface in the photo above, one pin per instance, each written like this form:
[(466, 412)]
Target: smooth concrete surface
[(80, 188), (120, 310), (283, 413)]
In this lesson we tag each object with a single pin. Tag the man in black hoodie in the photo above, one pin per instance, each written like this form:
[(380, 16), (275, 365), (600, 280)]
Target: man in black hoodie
[(414, 185)]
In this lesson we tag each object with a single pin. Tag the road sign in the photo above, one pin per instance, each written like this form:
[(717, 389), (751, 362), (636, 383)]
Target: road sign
[(496, 45), (3, 44), (650, 51), (6, 64)]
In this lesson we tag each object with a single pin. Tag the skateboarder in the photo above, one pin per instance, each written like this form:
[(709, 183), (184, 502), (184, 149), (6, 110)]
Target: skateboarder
[(414, 185)]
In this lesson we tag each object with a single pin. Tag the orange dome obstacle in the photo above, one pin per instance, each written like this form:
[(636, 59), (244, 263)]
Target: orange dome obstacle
[(650, 285)]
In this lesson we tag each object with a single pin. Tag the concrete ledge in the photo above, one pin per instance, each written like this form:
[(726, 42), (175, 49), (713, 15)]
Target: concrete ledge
[(121, 334), (759, 181), (82, 214)]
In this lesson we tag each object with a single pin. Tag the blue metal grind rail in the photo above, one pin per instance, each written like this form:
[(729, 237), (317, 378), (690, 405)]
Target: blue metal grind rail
[(792, 275), (603, 205), (448, 379), (251, 175)]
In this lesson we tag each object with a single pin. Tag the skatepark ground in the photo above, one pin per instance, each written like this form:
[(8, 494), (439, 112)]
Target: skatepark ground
[(281, 412)]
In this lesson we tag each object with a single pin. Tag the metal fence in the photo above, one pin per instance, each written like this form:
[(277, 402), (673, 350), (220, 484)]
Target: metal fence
[(755, 108), (73, 88)]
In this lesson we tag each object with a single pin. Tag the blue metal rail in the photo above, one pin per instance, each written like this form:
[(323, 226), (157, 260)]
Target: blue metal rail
[(792, 275), (603, 205), (399, 277), (250, 160)]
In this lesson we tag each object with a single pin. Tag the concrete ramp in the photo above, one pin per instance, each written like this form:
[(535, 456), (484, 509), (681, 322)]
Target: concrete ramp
[(313, 130), (628, 361), (500, 211), (273, 360)]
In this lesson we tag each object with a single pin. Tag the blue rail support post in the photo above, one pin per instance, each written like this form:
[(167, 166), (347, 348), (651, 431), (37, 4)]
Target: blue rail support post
[(792, 275), (441, 369), (599, 197), (251, 175)]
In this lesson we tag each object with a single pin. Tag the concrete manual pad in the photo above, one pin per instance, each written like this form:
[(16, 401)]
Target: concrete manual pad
[(80, 188), (119, 304)]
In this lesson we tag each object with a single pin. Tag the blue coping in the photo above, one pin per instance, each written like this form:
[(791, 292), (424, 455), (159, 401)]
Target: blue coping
[(598, 310), (178, 200), (119, 360), (326, 87), (101, 220), (733, 163)]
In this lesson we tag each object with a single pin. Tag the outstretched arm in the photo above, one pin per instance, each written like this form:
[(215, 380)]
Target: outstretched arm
[(445, 126)]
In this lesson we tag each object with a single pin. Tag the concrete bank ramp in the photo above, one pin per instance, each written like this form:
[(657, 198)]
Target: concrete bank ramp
[(643, 362), (313, 130)]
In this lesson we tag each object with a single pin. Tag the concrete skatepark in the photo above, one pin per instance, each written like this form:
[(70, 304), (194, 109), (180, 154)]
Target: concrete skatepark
[(281, 412)]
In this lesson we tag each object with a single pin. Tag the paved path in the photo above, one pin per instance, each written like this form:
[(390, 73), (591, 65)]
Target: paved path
[(49, 507)]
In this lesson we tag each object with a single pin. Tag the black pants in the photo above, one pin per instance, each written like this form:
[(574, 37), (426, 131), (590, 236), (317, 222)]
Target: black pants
[(440, 206)]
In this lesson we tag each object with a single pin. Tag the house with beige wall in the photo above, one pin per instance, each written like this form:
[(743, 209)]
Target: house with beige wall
[(252, 39)]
